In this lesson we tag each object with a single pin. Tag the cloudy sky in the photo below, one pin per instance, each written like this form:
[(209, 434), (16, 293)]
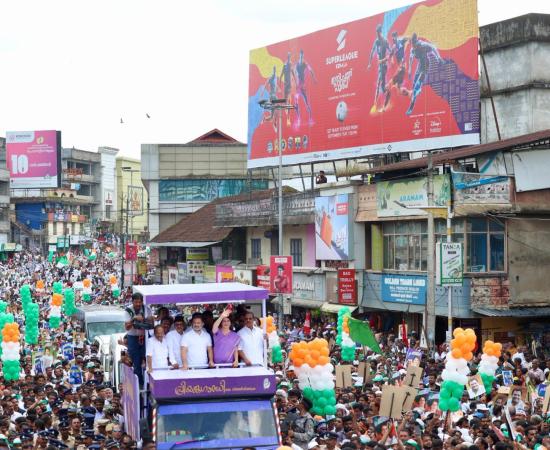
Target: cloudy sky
[(80, 66)]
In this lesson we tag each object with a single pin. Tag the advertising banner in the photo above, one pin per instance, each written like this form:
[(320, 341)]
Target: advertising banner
[(63, 241), (262, 277), (332, 240), (224, 274), (135, 201), (400, 198), (401, 81), (197, 254), (209, 274), (33, 158), (475, 188), (172, 275), (280, 274), (347, 287), (451, 266), (410, 289), (131, 251), (243, 276)]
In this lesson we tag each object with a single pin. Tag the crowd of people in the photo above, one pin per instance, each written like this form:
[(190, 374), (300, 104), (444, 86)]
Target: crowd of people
[(51, 408)]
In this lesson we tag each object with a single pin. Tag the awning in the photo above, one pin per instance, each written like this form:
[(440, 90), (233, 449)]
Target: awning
[(334, 308), (301, 302), (182, 244), (515, 312)]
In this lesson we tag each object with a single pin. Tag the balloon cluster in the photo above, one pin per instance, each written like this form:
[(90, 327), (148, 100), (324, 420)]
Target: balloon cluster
[(31, 312), (69, 307), (489, 363), (39, 286), (314, 371), (10, 351), (4, 319), (455, 374), (273, 340), (55, 305), (115, 290), (86, 289), (342, 338)]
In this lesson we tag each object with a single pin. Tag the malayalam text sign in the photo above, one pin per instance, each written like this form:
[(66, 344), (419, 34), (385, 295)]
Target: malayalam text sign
[(408, 289), (32, 158), (400, 81)]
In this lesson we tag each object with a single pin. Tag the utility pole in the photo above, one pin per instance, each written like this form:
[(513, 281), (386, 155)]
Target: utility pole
[(449, 288), (430, 294)]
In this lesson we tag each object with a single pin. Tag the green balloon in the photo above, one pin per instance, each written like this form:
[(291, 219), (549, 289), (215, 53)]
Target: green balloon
[(454, 404), (321, 402), (444, 404), (329, 410), (445, 394)]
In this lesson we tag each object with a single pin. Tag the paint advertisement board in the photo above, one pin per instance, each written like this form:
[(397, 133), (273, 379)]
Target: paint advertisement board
[(332, 228), (401, 81)]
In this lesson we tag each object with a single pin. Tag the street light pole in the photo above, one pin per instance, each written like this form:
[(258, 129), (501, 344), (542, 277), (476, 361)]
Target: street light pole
[(430, 296), (449, 288), (279, 104)]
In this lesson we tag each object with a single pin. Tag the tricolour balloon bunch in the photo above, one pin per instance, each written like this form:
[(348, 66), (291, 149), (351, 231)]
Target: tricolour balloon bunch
[(86, 289), (342, 338), (489, 363), (314, 371), (4, 319), (10, 351), (55, 305), (455, 374), (69, 307), (273, 340), (39, 286), (31, 312), (115, 290)]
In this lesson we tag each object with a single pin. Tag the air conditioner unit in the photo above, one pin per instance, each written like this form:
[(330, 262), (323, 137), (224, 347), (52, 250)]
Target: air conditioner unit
[(254, 261)]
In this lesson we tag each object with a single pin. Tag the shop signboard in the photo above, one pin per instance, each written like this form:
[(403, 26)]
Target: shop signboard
[(347, 287), (224, 274), (243, 276), (408, 289), (262, 277), (451, 266), (197, 254)]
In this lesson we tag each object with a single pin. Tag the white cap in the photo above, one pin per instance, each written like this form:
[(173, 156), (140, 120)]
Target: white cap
[(312, 444)]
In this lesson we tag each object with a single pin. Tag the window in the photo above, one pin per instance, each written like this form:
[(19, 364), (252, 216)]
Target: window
[(406, 244), (107, 211), (256, 248), (296, 251)]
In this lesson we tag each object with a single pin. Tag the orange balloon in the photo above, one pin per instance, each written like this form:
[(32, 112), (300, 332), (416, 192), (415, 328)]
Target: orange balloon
[(86, 282), (498, 345), (468, 356), (465, 348), (469, 331), (40, 284), (269, 319), (112, 279), (457, 353), (315, 354), (471, 339), (458, 331), (323, 360), (297, 362), (460, 340), (324, 351)]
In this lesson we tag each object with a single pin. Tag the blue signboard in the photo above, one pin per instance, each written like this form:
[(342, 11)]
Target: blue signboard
[(408, 289)]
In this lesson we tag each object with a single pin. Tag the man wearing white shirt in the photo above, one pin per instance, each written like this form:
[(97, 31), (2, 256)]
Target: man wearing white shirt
[(196, 345), (158, 353), (251, 347), (174, 339)]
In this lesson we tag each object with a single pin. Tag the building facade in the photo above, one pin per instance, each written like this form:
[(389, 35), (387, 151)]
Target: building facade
[(5, 234), (181, 178)]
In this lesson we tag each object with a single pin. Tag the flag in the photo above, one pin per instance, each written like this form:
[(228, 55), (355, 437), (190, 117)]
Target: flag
[(361, 333), (404, 333), (307, 324)]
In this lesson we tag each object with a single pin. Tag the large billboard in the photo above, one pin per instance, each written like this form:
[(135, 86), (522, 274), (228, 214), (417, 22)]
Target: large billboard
[(401, 81), (332, 228), (33, 159)]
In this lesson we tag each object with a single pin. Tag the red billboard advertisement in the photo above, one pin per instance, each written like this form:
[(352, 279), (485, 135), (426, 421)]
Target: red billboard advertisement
[(131, 251), (262, 277), (33, 158), (401, 81), (280, 274), (347, 288)]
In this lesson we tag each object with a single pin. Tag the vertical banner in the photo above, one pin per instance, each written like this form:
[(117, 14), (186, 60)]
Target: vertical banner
[(347, 287), (130, 401), (332, 228), (262, 277), (451, 265), (131, 251), (135, 201), (280, 274)]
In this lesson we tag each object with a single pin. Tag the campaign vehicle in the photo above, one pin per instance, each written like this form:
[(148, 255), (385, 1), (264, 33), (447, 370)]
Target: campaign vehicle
[(201, 408)]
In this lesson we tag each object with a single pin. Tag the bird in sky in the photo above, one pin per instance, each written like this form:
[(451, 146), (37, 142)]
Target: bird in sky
[(147, 115), (121, 121)]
